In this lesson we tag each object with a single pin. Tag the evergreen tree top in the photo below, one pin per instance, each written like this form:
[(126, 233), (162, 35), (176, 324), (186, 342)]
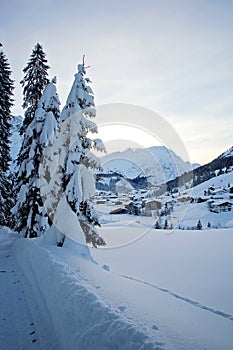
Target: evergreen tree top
[(35, 77), (81, 97), (6, 85), (33, 83), (38, 56)]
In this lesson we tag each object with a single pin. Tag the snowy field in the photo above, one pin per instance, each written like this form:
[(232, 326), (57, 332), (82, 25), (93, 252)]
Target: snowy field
[(181, 282), (164, 291)]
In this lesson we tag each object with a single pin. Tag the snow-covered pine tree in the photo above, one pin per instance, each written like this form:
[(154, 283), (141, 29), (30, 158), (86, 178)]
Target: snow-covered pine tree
[(6, 102), (31, 217), (79, 182), (33, 83)]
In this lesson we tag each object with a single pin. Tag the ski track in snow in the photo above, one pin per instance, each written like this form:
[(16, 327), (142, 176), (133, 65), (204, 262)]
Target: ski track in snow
[(185, 299), (18, 327)]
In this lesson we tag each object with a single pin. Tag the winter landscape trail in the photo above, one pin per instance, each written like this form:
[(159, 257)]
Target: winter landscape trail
[(182, 298), (20, 318)]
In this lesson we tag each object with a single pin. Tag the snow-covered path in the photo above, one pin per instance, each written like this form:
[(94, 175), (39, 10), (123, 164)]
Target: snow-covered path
[(22, 326)]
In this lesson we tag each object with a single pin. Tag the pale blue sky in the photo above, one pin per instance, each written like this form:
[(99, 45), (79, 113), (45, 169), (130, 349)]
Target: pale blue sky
[(174, 57)]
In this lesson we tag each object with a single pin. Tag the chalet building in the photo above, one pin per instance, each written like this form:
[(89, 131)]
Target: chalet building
[(219, 207), (153, 205), (120, 210), (219, 193)]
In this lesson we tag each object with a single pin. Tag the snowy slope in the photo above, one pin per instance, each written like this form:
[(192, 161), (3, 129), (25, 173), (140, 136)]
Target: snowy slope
[(196, 211), (157, 163), (216, 182)]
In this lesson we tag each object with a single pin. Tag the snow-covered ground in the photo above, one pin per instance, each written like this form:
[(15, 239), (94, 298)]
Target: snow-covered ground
[(181, 282), (164, 291), (25, 323), (147, 289)]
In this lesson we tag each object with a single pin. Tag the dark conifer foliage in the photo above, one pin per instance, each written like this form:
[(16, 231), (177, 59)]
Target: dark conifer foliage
[(6, 102), (33, 83)]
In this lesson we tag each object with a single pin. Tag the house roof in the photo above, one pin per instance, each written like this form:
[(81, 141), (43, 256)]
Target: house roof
[(221, 203), (224, 203), (153, 201)]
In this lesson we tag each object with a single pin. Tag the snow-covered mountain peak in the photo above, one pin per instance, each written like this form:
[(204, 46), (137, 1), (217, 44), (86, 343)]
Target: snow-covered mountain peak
[(157, 163)]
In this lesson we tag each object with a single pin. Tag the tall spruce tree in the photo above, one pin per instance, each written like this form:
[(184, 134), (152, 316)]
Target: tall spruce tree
[(31, 217), (33, 83), (6, 102), (79, 182)]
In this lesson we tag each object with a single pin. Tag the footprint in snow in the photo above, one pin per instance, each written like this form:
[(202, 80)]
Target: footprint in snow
[(155, 327), (106, 267), (122, 308)]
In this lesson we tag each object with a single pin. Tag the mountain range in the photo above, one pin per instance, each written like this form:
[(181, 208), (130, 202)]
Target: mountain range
[(154, 166)]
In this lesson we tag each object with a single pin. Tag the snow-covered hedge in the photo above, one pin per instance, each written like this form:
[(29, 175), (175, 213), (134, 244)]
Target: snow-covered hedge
[(81, 320)]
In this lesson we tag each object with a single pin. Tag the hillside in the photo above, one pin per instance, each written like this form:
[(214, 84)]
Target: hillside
[(218, 166)]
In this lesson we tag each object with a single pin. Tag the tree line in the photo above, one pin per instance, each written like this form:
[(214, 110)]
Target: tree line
[(55, 153)]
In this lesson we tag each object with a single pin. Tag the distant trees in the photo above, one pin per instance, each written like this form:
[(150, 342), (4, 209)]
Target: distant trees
[(6, 102), (199, 175), (133, 209), (199, 225), (157, 225), (165, 225)]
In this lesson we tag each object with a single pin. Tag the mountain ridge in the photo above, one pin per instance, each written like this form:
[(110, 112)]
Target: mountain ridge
[(157, 163)]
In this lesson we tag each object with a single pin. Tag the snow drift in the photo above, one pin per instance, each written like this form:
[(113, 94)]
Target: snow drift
[(81, 319)]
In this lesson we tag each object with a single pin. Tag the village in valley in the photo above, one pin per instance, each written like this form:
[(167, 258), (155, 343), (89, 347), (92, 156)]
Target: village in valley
[(207, 205)]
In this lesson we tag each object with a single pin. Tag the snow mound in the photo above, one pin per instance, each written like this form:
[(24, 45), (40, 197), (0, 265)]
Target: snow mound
[(81, 319), (6, 235)]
